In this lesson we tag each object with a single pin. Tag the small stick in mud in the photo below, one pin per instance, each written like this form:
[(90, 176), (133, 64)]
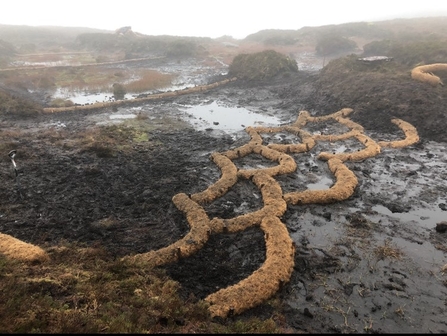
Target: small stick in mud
[(11, 155)]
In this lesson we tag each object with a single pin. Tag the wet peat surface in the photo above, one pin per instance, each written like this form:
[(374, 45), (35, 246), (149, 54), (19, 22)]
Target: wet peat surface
[(373, 263)]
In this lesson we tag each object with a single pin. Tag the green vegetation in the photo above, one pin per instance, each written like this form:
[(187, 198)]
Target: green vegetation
[(261, 66), (119, 91), (333, 44), (7, 50), (426, 51), (136, 45), (405, 56), (377, 48), (275, 37), (106, 141), (181, 48)]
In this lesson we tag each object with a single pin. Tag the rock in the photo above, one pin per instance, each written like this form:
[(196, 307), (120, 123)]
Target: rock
[(441, 227)]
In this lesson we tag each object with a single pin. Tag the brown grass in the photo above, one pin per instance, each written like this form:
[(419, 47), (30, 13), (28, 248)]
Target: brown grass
[(85, 290), (89, 78), (388, 251), (19, 250), (149, 80), (69, 58)]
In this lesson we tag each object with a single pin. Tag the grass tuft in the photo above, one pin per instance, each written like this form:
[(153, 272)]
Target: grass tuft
[(86, 290)]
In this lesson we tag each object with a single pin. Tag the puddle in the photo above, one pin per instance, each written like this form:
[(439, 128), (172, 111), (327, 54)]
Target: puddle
[(122, 116), (83, 98), (318, 231), (114, 118), (433, 257), (340, 149), (427, 218), (187, 76), (309, 61), (323, 184), (20, 64), (229, 119)]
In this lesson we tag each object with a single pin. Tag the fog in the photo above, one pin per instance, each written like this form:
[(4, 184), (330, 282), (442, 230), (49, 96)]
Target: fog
[(209, 18)]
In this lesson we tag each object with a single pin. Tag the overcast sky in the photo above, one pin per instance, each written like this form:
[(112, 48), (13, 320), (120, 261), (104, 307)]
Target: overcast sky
[(210, 18)]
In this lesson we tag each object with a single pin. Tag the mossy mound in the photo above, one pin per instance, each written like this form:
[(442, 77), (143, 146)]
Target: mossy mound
[(12, 105), (261, 66)]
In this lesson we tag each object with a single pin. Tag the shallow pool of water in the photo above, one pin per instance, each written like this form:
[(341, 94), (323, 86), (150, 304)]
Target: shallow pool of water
[(82, 98), (225, 118), (86, 97), (186, 77), (120, 116), (324, 183), (427, 217)]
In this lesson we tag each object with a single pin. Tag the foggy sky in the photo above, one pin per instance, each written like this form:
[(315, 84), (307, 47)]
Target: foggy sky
[(209, 18)]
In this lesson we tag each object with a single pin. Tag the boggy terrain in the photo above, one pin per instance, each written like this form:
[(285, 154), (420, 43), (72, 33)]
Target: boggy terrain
[(367, 260)]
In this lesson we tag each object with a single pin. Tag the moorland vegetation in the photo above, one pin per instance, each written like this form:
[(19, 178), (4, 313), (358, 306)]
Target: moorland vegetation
[(85, 289)]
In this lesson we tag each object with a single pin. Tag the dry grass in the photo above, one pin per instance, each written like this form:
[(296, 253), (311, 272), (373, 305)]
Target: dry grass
[(66, 58), (149, 80), (82, 290), (85, 290), (387, 251), (89, 78)]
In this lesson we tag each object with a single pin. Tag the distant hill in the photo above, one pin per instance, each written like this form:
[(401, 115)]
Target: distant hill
[(43, 36), (6, 49), (398, 29), (34, 38)]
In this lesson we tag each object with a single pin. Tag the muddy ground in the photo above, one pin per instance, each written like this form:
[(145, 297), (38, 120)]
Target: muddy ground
[(371, 264)]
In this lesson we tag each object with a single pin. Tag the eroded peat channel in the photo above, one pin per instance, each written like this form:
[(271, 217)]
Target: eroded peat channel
[(287, 218), (280, 249)]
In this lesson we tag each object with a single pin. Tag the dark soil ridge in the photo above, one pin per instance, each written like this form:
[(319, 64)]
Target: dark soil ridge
[(280, 249)]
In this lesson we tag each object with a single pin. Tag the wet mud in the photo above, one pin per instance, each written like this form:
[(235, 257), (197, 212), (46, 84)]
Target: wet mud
[(370, 263)]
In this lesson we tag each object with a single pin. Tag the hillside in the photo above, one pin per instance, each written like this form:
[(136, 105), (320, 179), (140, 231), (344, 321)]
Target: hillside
[(399, 29)]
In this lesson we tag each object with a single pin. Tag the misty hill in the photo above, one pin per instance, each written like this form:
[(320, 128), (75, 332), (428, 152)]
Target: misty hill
[(26, 38), (401, 29), (408, 42), (29, 38)]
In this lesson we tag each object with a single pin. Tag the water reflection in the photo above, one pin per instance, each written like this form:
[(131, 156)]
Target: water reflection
[(229, 119), (187, 76), (324, 183), (121, 116), (426, 217), (82, 98), (88, 97)]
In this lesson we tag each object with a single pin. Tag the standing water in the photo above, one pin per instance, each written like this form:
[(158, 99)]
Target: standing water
[(229, 119)]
